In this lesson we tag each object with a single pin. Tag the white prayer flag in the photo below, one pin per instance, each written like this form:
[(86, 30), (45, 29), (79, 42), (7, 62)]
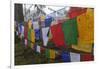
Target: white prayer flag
[(44, 35), (38, 49), (75, 57), (35, 24)]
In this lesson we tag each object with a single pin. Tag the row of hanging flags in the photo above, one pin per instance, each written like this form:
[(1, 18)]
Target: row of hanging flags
[(46, 34)]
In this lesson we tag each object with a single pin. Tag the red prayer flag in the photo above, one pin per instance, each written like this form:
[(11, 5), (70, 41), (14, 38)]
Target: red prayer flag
[(57, 35), (87, 57), (75, 11)]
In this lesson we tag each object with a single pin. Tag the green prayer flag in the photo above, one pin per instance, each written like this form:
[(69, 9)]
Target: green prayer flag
[(70, 31), (47, 53), (29, 34)]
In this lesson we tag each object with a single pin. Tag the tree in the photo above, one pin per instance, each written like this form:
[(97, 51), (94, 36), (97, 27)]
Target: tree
[(18, 12)]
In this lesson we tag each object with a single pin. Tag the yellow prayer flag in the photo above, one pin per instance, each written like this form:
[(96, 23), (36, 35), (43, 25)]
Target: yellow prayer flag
[(85, 24), (82, 46), (90, 22), (50, 35), (52, 54), (32, 38), (42, 18), (29, 24)]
